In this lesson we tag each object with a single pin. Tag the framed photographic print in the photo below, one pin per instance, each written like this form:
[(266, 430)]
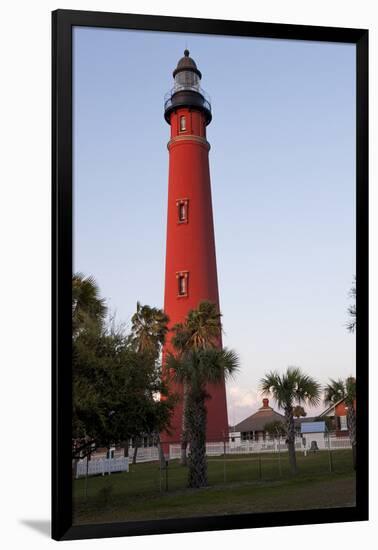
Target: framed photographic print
[(210, 274)]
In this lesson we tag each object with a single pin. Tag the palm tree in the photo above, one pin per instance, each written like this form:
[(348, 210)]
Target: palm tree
[(196, 368), (203, 326), (340, 390), (149, 329), (201, 330), (180, 342), (352, 312), (88, 309), (292, 387)]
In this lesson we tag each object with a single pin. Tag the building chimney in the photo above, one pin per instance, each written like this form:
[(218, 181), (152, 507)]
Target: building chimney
[(265, 403)]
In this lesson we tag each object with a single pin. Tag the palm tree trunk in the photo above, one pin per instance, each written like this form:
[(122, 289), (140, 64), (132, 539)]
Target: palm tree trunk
[(75, 462), (125, 445), (290, 431), (160, 451), (136, 443), (184, 429), (351, 421), (197, 417)]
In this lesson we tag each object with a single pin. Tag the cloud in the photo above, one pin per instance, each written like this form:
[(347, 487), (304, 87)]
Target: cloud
[(241, 402)]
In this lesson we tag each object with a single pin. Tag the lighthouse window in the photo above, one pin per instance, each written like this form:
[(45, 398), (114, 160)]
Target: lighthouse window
[(182, 123), (182, 211), (186, 79), (182, 284)]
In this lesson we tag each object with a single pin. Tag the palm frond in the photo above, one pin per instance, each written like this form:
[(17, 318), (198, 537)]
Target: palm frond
[(293, 386), (334, 391)]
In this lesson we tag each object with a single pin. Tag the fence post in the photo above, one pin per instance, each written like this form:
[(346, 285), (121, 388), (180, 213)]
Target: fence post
[(260, 468), (160, 461), (224, 460), (330, 454), (86, 479), (279, 455)]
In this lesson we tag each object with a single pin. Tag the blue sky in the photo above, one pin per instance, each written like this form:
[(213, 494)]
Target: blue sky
[(282, 165)]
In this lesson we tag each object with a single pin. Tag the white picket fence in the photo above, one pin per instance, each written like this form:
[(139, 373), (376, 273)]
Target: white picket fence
[(250, 447), (151, 454), (247, 447), (145, 454), (102, 466), (340, 443)]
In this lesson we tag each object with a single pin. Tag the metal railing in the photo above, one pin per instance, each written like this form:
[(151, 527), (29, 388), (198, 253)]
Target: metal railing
[(168, 96)]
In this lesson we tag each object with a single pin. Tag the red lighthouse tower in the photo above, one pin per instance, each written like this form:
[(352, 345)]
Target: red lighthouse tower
[(191, 271)]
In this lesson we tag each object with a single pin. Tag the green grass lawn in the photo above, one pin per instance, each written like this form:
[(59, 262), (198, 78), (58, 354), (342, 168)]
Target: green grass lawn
[(238, 484)]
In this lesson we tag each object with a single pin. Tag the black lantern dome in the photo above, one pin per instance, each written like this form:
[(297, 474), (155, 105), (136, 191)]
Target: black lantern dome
[(187, 91), (186, 63)]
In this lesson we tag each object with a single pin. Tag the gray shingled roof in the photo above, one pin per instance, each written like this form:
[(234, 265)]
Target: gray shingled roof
[(256, 422)]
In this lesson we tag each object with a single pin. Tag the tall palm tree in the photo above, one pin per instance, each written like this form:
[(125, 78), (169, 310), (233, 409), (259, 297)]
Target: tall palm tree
[(149, 329), (88, 309), (352, 312), (338, 390), (196, 368), (201, 330), (292, 387), (203, 326)]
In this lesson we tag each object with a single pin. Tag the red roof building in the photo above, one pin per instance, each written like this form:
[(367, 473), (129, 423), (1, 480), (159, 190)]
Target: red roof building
[(338, 412)]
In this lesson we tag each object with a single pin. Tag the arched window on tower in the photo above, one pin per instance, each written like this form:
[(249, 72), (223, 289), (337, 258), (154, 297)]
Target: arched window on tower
[(182, 123)]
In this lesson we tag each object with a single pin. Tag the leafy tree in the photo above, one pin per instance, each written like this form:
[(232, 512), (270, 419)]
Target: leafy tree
[(352, 312), (201, 330), (292, 387), (116, 379), (115, 390), (197, 368), (276, 428), (338, 390)]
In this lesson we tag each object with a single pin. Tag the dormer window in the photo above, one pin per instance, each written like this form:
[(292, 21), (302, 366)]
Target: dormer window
[(182, 283), (182, 210), (182, 123)]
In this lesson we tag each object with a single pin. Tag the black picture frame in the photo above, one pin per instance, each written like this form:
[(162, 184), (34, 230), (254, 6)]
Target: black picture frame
[(62, 23)]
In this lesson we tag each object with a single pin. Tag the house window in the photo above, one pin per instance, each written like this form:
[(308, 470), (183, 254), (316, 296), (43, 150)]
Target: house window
[(247, 436), (182, 279), (343, 423), (110, 453), (182, 210), (182, 124)]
